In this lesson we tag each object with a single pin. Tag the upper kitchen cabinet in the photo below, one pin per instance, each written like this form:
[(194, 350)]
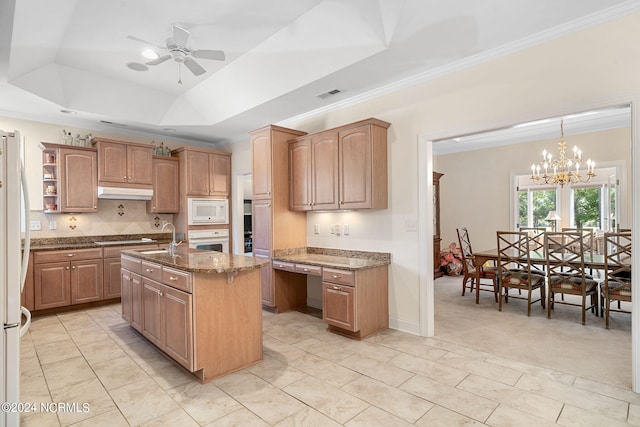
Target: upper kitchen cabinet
[(124, 164), (313, 171), (205, 172), (342, 168), (166, 186), (69, 178), (268, 161)]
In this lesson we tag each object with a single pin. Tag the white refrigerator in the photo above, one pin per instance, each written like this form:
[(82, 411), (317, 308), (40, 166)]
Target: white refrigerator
[(14, 211)]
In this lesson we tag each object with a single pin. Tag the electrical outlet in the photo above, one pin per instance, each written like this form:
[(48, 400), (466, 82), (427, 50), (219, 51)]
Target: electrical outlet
[(345, 229), (36, 225), (316, 228), (410, 225), (52, 225)]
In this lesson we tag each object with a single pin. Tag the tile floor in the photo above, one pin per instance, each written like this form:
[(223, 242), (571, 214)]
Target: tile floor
[(483, 368)]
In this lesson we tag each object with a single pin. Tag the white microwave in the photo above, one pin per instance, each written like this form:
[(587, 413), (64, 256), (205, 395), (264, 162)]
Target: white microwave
[(207, 211)]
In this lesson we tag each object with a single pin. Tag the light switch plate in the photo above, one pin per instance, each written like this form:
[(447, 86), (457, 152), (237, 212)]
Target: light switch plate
[(316, 228), (52, 225), (345, 229)]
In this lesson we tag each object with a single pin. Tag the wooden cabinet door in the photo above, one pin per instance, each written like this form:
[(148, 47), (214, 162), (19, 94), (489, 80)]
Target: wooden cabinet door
[(139, 165), (262, 225), (324, 171), (261, 165), (197, 172), (86, 281), (78, 181), (112, 158), (52, 285), (111, 282), (355, 168), (300, 175), (177, 325), (152, 311), (136, 302), (266, 279), (219, 175), (125, 302), (166, 186), (339, 306)]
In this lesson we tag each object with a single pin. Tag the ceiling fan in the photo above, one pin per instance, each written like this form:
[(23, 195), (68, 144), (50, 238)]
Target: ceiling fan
[(176, 48)]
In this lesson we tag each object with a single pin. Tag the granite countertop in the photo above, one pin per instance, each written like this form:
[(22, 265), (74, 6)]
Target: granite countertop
[(199, 261), (336, 258), (86, 242)]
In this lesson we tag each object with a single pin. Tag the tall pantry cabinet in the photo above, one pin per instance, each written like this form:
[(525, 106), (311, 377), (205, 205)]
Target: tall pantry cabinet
[(274, 226)]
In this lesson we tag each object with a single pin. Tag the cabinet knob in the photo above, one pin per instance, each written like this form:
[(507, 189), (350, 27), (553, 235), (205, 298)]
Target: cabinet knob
[(149, 270), (305, 269), (161, 294), (335, 276), (73, 268), (70, 255), (67, 268), (124, 177), (336, 288), (173, 278)]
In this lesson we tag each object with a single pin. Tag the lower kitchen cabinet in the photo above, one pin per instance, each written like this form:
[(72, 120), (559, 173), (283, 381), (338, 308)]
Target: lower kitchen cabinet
[(58, 281), (355, 303), (112, 282)]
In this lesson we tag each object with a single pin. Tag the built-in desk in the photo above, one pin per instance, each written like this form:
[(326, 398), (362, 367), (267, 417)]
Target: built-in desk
[(355, 287)]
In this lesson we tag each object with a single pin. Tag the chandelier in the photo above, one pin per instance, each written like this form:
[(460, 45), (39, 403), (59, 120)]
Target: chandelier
[(562, 171)]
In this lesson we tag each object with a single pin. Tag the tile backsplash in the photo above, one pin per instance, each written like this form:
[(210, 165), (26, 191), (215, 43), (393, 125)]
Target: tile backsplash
[(113, 217)]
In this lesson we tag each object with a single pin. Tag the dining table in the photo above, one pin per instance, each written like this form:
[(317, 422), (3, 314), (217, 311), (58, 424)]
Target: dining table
[(480, 258)]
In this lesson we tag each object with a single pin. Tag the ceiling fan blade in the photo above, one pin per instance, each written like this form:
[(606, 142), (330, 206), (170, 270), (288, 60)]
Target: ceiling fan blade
[(138, 39), (217, 55), (180, 35), (158, 60), (194, 67)]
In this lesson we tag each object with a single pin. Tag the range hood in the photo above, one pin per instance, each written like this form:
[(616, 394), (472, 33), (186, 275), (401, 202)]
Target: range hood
[(122, 193)]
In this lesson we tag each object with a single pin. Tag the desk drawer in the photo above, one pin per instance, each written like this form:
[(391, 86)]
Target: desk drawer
[(343, 277), (152, 270), (176, 279), (282, 265), (309, 269)]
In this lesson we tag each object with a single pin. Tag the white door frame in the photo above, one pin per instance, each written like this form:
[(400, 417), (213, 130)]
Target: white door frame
[(425, 212)]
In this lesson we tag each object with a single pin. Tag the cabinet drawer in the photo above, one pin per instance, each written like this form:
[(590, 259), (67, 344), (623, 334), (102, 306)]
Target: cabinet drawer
[(309, 269), (131, 264), (68, 255), (152, 270), (114, 251), (286, 266), (344, 277), (176, 279)]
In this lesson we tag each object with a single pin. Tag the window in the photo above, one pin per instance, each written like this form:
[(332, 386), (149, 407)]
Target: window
[(534, 206), (586, 207)]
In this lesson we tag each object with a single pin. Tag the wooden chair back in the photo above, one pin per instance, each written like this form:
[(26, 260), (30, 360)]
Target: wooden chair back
[(465, 248), (617, 264)]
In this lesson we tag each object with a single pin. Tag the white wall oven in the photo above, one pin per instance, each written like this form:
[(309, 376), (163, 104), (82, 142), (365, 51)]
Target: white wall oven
[(207, 211), (209, 240)]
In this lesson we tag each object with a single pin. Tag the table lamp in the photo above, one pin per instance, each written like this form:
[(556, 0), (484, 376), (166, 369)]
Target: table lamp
[(553, 216)]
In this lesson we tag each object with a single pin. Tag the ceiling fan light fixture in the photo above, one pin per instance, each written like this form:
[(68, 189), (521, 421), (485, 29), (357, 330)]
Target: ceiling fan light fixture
[(149, 54)]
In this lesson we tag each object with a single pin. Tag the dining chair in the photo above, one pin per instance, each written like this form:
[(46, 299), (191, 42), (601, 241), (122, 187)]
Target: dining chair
[(617, 273), (565, 254), (469, 269), (536, 243), (515, 269)]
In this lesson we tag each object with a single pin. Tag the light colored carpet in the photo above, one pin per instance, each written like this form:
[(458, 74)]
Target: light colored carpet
[(560, 343)]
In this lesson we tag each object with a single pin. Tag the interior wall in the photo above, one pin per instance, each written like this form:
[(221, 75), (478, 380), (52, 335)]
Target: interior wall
[(479, 181), (107, 221), (581, 69)]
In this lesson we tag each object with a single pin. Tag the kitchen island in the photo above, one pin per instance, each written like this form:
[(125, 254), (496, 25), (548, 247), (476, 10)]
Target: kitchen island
[(201, 308)]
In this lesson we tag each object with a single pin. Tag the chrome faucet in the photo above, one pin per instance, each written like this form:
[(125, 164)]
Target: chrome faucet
[(172, 245)]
